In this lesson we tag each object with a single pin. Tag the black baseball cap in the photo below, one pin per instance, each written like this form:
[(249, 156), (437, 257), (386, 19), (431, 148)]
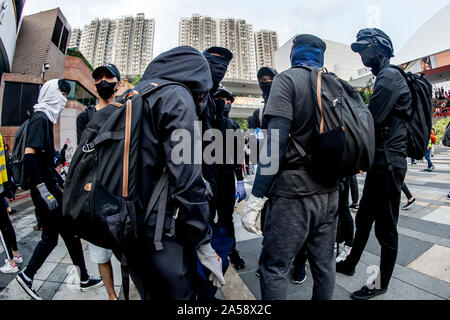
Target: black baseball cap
[(107, 68), (310, 40)]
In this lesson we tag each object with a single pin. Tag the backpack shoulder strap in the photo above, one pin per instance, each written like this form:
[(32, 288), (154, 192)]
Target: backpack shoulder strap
[(261, 111)]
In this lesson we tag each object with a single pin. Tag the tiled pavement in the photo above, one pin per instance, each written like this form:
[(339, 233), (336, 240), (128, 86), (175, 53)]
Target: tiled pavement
[(422, 270)]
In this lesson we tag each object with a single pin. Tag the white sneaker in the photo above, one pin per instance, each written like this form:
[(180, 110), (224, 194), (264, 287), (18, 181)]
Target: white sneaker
[(7, 268), (344, 252), (18, 259)]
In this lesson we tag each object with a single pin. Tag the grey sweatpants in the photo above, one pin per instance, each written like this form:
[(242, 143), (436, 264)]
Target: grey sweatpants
[(290, 225)]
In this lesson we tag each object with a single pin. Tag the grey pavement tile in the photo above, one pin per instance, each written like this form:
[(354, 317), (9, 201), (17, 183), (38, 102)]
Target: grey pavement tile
[(58, 253), (15, 292), (409, 249), (412, 277), (340, 293), (400, 290), (435, 229), (44, 272), (48, 290), (72, 292), (250, 251), (444, 242), (219, 295), (252, 282), (437, 185), (59, 273)]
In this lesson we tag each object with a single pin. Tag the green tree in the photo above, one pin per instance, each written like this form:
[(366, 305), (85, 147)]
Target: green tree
[(136, 80), (242, 123)]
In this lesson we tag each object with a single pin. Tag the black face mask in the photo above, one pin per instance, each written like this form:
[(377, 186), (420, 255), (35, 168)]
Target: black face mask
[(265, 88), (226, 110), (106, 89), (218, 66)]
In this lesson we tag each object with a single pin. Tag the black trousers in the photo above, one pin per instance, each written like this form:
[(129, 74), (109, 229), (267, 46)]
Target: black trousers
[(406, 191), (345, 220), (354, 188), (53, 227), (170, 274), (225, 202), (380, 204), (7, 233)]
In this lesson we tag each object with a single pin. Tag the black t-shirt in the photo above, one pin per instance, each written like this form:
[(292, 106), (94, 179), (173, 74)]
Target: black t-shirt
[(291, 98), (40, 138), (83, 120)]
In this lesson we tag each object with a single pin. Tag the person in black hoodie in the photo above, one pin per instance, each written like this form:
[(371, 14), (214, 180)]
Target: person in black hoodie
[(391, 109), (171, 274), (211, 116), (228, 191)]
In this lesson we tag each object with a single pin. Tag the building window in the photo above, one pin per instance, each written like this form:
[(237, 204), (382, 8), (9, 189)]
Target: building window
[(18, 101), (64, 38), (81, 94), (57, 32)]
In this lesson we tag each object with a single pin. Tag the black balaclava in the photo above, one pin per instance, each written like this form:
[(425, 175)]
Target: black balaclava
[(375, 48), (266, 86), (218, 65)]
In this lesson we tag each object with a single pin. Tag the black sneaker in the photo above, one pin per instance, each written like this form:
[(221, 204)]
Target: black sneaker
[(409, 204), (236, 260), (27, 286), (258, 273), (299, 274), (354, 206), (344, 268), (93, 283), (365, 293)]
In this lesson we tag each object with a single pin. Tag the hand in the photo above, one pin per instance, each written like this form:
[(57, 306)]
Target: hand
[(241, 194), (209, 195), (48, 198), (211, 260), (251, 213)]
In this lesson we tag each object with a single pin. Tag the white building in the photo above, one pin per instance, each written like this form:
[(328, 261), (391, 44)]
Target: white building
[(234, 34), (339, 58), (126, 42), (266, 43), (75, 38)]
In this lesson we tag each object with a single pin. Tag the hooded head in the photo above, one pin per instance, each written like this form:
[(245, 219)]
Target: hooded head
[(218, 58), (375, 48), (187, 66), (265, 79), (224, 98), (51, 100), (308, 50)]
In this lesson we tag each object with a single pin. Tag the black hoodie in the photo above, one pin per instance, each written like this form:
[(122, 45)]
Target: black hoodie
[(167, 109)]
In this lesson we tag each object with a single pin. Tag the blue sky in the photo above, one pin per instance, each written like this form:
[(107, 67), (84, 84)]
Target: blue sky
[(337, 20)]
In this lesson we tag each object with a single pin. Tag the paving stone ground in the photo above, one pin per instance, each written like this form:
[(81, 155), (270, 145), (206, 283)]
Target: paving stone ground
[(422, 271)]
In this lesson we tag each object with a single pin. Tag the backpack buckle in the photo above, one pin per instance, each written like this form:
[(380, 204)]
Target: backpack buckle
[(87, 148)]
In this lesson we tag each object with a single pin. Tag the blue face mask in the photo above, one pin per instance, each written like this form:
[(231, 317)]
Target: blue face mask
[(305, 55)]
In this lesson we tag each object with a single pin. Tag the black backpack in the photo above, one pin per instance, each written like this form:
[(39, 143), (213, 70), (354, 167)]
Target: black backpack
[(101, 193), (344, 139), (16, 163), (446, 138), (419, 130)]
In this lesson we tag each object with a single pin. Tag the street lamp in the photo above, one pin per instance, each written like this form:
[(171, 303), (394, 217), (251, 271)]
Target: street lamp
[(45, 67)]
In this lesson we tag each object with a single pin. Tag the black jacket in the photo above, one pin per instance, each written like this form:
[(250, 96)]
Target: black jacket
[(166, 110), (391, 109)]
